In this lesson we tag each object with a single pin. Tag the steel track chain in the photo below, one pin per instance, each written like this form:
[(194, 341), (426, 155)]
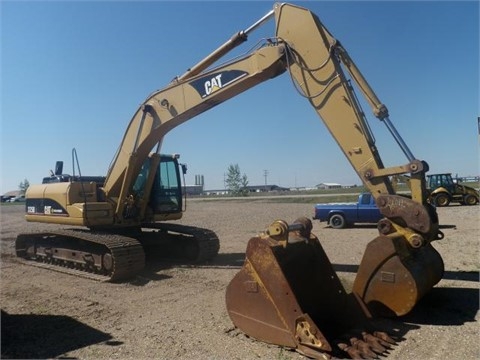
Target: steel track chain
[(207, 241), (127, 253)]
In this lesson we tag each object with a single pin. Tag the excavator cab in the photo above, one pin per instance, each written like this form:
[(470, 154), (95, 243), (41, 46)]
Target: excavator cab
[(166, 195)]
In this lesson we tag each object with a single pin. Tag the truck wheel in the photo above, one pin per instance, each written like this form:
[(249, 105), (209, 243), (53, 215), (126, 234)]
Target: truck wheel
[(442, 200), (469, 199), (337, 221)]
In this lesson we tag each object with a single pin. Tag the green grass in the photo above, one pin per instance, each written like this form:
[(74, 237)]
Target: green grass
[(13, 204), (314, 199), (301, 197), (473, 184)]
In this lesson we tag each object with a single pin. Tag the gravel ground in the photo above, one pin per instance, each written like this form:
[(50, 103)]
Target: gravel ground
[(175, 311)]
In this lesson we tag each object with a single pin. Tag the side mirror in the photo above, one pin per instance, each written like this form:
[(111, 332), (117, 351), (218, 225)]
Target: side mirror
[(184, 168)]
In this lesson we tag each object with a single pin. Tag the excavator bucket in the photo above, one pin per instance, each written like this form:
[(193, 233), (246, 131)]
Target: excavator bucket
[(288, 294), (393, 276)]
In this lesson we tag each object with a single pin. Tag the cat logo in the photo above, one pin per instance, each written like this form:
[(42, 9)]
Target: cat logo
[(208, 85), (213, 85)]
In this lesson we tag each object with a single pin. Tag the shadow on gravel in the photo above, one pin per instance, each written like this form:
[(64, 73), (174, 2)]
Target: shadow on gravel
[(30, 336), (462, 275), (232, 260), (440, 307), (222, 260), (445, 306), (155, 265), (447, 226), (374, 226), (473, 276)]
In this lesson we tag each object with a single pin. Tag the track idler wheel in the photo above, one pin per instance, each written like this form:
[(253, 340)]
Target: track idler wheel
[(288, 294), (107, 262)]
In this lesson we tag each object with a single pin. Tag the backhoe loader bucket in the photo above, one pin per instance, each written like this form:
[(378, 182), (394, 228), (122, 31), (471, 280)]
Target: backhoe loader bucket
[(288, 294)]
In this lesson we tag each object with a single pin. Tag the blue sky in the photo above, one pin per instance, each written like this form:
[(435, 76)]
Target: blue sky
[(74, 73)]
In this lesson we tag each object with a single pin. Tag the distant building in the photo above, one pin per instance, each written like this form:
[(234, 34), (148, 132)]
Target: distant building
[(468, 178), (216, 192), (193, 190), (197, 189), (266, 188), (325, 186), (13, 193)]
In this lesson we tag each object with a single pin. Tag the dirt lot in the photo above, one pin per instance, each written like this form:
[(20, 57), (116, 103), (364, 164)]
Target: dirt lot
[(175, 311)]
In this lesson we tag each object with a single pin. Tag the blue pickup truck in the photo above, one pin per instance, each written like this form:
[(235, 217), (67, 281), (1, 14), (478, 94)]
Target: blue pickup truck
[(340, 215)]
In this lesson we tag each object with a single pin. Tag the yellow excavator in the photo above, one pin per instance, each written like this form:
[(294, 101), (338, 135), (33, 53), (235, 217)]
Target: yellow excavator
[(287, 292)]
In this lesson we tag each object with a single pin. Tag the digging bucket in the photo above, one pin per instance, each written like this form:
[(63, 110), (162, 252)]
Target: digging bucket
[(288, 294), (393, 276)]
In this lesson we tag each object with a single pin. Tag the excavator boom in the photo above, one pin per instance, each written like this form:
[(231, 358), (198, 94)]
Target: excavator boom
[(318, 65)]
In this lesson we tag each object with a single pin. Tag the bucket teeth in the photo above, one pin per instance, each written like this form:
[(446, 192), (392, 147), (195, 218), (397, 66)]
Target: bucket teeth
[(356, 352), (375, 342), (384, 336), (366, 346), (366, 349), (370, 344)]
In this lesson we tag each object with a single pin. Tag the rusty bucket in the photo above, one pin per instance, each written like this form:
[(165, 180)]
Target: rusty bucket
[(394, 276), (288, 294)]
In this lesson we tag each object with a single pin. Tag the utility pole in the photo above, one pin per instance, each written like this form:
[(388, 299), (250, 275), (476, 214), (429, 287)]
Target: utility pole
[(265, 174)]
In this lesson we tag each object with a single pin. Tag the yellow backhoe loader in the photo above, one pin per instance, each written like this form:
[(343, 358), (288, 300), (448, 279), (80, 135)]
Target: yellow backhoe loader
[(444, 190), (287, 292)]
